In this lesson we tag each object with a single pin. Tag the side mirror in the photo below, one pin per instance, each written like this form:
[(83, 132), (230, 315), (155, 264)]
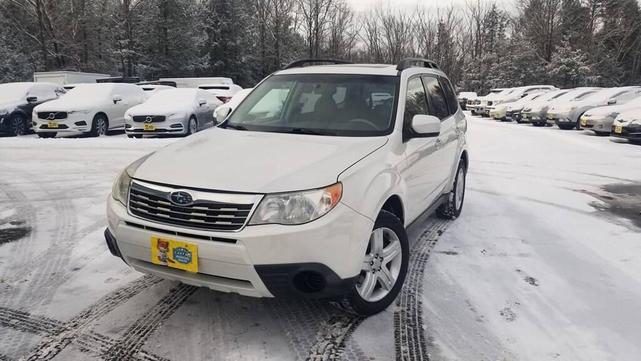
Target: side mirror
[(31, 100), (117, 98), (612, 101), (425, 126), (201, 102), (221, 113)]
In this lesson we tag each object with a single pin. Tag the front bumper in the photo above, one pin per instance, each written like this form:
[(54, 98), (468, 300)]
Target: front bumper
[(631, 132), (169, 126), (597, 124), (559, 119), (258, 261), (73, 123)]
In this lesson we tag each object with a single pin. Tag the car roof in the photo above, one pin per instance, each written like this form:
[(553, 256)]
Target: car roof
[(364, 69)]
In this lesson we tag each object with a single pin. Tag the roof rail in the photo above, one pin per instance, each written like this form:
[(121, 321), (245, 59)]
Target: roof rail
[(410, 62), (307, 62)]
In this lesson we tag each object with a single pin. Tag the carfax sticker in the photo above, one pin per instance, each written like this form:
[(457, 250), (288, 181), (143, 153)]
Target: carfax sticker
[(174, 254)]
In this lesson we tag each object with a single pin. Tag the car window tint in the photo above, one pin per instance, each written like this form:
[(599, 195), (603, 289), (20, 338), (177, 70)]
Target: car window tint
[(437, 102), (450, 95), (415, 102)]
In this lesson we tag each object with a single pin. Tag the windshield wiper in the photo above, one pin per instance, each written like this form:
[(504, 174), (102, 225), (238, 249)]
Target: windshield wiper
[(306, 131), (237, 127)]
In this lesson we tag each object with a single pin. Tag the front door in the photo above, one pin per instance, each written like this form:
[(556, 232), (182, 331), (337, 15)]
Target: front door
[(421, 155)]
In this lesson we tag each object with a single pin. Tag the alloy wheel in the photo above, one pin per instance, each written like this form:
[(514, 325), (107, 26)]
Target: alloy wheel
[(381, 265), (18, 126)]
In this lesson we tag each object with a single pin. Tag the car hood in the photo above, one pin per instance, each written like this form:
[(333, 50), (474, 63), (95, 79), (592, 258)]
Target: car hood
[(158, 109), (255, 162), (69, 104), (609, 110)]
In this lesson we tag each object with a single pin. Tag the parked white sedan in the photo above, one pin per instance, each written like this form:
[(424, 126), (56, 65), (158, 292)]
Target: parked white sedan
[(92, 109), (173, 111)]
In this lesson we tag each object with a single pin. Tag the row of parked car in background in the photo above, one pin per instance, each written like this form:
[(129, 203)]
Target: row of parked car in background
[(605, 111), (148, 108)]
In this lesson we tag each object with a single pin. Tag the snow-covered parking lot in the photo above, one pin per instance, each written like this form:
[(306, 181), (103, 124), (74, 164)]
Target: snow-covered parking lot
[(543, 264)]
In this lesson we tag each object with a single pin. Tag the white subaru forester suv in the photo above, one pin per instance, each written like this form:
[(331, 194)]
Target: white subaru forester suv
[(315, 176)]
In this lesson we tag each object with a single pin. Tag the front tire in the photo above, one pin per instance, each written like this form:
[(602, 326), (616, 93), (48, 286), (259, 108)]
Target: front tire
[(384, 267), (18, 125), (453, 207), (192, 127), (99, 126)]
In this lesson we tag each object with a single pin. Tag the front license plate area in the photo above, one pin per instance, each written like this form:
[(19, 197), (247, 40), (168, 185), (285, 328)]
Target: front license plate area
[(584, 122), (618, 129), (149, 127), (52, 124), (175, 254)]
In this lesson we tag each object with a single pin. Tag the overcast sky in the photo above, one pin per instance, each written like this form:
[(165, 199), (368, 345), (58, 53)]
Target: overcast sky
[(364, 5)]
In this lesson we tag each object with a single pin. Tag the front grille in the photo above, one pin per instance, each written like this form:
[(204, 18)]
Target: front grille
[(155, 205), (60, 126), (52, 115), (153, 118)]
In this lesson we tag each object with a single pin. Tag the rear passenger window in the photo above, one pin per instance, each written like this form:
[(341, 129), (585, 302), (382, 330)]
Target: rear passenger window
[(415, 103), (438, 104), (450, 95)]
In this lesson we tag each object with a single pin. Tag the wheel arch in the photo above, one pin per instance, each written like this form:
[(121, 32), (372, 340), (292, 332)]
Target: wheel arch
[(394, 205)]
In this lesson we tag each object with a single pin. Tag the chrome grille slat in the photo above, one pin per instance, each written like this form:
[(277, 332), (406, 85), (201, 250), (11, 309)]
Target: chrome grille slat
[(153, 203)]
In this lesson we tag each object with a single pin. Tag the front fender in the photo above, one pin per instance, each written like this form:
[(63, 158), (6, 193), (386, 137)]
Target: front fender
[(369, 183)]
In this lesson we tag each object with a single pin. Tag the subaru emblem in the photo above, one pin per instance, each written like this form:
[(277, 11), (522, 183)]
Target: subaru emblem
[(181, 198)]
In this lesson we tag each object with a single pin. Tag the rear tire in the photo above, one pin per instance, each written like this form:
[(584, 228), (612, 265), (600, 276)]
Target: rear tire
[(566, 127), (99, 126), (18, 125), (601, 134), (453, 207), (381, 279), (47, 135)]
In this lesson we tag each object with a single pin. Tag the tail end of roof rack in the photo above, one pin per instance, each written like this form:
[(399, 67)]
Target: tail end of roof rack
[(416, 62), (310, 62)]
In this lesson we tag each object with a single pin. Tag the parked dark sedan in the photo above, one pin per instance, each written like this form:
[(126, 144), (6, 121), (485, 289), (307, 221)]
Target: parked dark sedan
[(17, 101)]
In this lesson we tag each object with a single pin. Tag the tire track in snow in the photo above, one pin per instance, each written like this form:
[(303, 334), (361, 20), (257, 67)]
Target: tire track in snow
[(409, 334), (330, 339), (132, 341), (51, 346), (90, 342)]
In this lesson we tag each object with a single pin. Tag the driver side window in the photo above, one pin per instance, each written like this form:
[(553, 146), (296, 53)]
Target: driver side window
[(415, 101)]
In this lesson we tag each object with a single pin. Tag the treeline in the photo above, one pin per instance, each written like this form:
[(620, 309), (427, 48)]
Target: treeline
[(567, 43)]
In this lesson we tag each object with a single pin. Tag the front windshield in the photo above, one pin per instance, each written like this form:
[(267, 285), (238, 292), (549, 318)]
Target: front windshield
[(13, 92), (89, 91), (172, 95), (321, 104)]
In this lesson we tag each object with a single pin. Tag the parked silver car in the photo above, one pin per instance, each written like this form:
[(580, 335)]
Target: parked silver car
[(601, 119), (566, 114)]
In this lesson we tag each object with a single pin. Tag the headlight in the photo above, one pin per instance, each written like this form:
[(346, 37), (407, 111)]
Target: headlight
[(297, 207), (120, 189), (79, 111), (176, 116)]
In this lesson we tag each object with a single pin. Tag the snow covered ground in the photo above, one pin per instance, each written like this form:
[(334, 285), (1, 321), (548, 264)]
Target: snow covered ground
[(544, 264)]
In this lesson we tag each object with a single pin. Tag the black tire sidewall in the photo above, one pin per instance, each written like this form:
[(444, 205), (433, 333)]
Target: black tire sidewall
[(94, 127), (457, 211), (385, 220), (23, 120)]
